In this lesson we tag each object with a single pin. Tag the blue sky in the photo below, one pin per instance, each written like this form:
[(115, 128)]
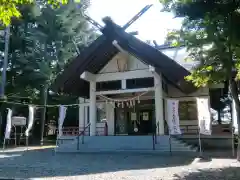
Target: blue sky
[(153, 25)]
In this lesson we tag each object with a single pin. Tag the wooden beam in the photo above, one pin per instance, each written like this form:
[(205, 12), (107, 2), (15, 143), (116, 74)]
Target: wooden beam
[(124, 91), (124, 75), (88, 76)]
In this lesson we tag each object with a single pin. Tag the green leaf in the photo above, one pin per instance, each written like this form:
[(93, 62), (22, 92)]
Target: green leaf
[(210, 32)]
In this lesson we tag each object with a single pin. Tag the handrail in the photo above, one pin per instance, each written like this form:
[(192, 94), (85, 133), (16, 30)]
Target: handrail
[(74, 131), (156, 132), (82, 133), (154, 135), (189, 128), (153, 140), (84, 129), (106, 129)]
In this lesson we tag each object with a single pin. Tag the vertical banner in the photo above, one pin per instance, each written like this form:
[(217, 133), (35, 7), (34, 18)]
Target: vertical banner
[(9, 124), (204, 117), (30, 119), (62, 115), (173, 117), (234, 118)]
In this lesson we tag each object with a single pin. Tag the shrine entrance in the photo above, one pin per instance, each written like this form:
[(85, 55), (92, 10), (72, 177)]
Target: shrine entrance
[(135, 121)]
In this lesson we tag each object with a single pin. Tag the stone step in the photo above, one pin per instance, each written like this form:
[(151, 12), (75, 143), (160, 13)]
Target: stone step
[(87, 150), (123, 143)]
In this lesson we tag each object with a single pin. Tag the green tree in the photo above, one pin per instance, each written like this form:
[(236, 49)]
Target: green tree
[(10, 8), (41, 44), (210, 30), (52, 45), (18, 50)]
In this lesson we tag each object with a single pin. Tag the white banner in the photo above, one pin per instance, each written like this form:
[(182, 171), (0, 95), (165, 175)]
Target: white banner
[(62, 115), (9, 124), (234, 118), (204, 117), (173, 117), (30, 119)]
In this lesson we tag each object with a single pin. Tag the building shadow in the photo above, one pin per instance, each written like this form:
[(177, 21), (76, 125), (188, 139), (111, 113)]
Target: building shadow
[(229, 173), (39, 163), (45, 163)]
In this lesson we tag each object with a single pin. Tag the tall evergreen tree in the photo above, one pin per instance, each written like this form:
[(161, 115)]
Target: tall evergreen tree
[(210, 30), (10, 8), (41, 44), (53, 45)]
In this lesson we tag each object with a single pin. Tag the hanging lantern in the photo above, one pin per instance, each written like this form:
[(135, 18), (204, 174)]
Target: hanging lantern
[(127, 104)]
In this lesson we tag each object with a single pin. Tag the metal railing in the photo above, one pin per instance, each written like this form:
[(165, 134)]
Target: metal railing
[(155, 134), (74, 131), (158, 131), (82, 133), (153, 140), (70, 131), (102, 131), (189, 129)]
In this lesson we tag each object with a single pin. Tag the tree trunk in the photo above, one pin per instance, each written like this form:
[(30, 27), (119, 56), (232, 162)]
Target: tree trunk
[(4, 73), (219, 116), (234, 93), (44, 97), (2, 124)]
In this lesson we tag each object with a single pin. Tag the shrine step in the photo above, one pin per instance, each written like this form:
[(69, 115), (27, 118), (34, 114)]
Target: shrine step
[(124, 143)]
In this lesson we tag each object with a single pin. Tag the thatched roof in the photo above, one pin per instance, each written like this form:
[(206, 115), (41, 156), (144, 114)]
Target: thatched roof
[(101, 51)]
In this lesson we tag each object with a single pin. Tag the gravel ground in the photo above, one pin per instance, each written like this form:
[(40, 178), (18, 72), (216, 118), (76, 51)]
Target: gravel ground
[(43, 164)]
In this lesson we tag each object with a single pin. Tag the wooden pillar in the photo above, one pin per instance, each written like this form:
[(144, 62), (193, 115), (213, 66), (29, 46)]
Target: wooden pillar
[(159, 102), (110, 118), (92, 108), (81, 118)]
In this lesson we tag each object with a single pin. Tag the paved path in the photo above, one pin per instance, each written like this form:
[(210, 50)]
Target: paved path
[(43, 164)]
